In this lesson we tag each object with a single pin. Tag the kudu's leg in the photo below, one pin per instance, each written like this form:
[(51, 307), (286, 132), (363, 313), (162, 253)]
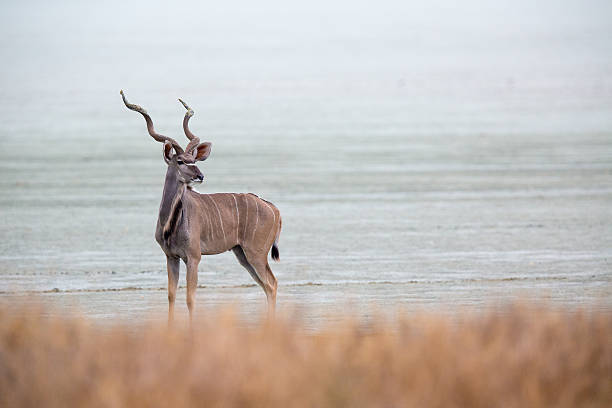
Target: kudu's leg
[(237, 250), (267, 279), (269, 286), (173, 265), (192, 282)]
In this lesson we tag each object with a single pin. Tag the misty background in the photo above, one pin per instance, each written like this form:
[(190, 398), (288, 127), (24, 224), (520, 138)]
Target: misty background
[(421, 154)]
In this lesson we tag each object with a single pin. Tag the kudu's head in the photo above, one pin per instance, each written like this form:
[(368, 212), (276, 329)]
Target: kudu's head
[(183, 160)]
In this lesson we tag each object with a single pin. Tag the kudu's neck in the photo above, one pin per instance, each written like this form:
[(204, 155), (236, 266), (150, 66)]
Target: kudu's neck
[(172, 187)]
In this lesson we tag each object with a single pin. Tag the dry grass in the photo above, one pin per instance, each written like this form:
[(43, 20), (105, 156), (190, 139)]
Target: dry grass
[(523, 357)]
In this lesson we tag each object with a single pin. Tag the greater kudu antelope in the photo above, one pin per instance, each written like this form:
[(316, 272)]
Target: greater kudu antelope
[(191, 224)]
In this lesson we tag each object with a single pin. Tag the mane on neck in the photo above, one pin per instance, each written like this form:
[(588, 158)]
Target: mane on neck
[(176, 213)]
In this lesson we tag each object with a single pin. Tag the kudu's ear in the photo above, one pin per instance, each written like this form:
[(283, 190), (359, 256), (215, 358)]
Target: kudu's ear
[(167, 153), (202, 151)]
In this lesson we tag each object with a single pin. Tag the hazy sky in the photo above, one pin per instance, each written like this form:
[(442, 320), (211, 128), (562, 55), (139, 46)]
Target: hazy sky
[(43, 41)]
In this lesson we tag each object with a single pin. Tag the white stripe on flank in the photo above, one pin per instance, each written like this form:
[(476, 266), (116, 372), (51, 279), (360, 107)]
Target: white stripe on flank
[(208, 223), (237, 218), (246, 223), (273, 222), (210, 227), (256, 219), (220, 219)]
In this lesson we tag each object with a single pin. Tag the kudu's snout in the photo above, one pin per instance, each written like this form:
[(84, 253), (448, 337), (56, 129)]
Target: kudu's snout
[(197, 178)]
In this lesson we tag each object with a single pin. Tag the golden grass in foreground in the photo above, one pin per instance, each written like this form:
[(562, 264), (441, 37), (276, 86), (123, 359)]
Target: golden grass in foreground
[(521, 357)]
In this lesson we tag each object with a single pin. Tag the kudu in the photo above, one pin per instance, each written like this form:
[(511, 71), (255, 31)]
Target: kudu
[(191, 224)]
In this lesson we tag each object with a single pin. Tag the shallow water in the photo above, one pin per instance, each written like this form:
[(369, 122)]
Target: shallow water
[(464, 165)]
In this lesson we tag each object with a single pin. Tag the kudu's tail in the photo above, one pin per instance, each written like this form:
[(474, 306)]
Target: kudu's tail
[(275, 253)]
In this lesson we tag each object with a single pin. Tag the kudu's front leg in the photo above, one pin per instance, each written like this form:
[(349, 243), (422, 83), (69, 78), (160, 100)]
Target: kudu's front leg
[(192, 282), (173, 265)]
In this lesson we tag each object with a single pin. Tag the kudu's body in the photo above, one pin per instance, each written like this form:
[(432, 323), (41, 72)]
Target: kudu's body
[(191, 224)]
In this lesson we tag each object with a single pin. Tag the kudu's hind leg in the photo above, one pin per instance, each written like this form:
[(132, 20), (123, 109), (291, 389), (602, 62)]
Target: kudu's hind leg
[(259, 269), (268, 280), (270, 288), (173, 265), (237, 250)]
